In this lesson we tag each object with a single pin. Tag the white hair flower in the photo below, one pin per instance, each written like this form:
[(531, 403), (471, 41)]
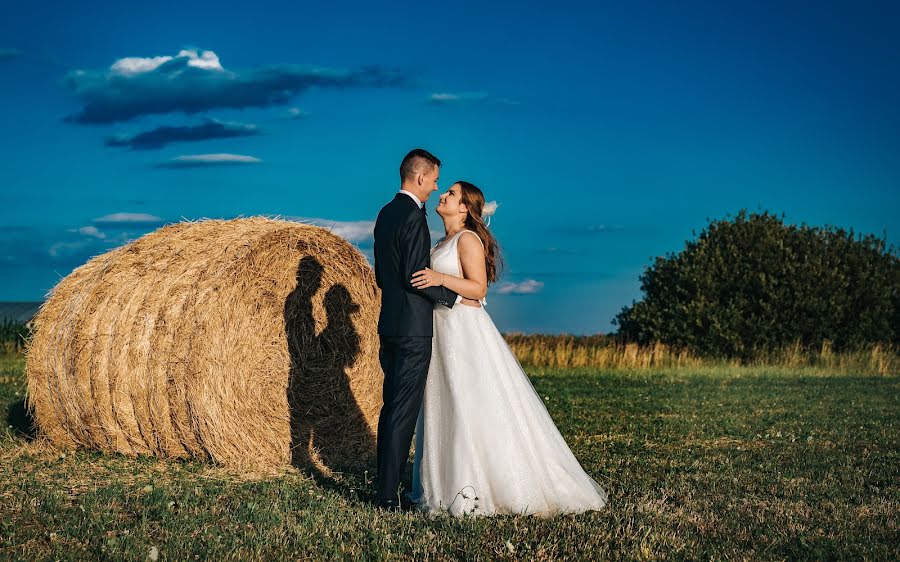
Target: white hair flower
[(488, 210)]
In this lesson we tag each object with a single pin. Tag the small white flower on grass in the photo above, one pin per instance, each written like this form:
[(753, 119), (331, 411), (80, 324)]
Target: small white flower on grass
[(147, 489), (510, 547), (153, 555)]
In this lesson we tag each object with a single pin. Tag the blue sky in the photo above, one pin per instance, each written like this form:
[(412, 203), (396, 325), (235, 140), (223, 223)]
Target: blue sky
[(607, 132)]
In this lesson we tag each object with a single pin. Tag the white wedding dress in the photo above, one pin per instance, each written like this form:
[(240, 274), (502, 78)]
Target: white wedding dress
[(485, 442)]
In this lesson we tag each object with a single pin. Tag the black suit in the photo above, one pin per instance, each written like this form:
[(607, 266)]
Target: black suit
[(402, 245)]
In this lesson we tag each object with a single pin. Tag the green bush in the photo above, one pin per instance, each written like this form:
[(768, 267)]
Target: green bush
[(753, 283)]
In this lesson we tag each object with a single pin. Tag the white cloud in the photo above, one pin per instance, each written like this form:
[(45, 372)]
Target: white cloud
[(358, 231), (449, 97), (207, 60), (527, 287), (352, 231), (222, 157), (128, 217), (201, 160), (460, 98), (92, 231), (130, 66)]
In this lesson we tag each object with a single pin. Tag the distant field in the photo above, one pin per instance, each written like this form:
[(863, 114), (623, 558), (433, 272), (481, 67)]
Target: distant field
[(699, 462)]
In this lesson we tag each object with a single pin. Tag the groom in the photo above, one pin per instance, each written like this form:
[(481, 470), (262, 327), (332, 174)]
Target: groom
[(402, 245)]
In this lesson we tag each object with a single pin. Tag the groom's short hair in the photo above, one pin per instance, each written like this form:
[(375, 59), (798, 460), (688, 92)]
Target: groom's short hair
[(414, 161)]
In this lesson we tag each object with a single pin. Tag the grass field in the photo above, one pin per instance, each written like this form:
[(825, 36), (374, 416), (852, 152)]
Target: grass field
[(699, 463)]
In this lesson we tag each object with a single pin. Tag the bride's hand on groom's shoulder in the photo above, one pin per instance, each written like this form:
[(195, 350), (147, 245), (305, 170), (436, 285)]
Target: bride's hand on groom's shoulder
[(427, 278)]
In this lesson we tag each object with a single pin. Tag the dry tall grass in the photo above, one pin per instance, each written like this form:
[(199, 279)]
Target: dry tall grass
[(601, 352), (567, 351)]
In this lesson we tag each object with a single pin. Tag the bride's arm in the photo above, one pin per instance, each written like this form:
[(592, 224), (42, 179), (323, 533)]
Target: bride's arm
[(473, 284)]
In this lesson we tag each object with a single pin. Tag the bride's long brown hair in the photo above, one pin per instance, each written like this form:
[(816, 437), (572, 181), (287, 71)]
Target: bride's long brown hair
[(473, 199)]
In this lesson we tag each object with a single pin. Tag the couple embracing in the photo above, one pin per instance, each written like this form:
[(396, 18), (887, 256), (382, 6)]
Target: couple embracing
[(485, 442)]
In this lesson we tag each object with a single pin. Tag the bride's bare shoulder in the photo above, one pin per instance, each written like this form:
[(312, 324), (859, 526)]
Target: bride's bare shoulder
[(470, 248), (470, 240)]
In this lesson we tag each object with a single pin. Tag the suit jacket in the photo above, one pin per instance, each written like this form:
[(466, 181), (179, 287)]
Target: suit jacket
[(402, 247)]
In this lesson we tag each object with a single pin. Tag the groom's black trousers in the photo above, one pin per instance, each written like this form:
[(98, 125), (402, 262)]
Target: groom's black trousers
[(404, 360)]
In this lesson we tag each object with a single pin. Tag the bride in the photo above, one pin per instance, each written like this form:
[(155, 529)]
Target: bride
[(485, 442)]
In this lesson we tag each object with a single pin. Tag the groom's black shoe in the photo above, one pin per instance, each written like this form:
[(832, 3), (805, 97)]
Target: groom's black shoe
[(407, 502), (392, 504)]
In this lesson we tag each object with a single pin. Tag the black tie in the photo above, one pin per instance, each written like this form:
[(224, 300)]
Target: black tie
[(423, 209)]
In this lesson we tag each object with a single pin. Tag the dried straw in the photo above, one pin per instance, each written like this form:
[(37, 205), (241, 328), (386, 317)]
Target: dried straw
[(249, 342)]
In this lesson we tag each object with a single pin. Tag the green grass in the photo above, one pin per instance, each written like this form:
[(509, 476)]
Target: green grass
[(699, 464)]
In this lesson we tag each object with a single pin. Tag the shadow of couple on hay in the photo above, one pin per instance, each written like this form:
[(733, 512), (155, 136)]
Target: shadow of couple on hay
[(329, 432)]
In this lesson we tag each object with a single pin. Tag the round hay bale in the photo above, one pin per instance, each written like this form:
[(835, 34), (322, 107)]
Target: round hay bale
[(249, 342)]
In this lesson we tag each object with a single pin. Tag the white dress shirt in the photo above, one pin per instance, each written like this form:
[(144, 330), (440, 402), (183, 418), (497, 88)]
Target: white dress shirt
[(414, 198)]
